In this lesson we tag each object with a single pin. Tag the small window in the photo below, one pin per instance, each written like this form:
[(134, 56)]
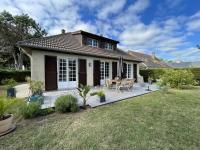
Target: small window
[(92, 42), (108, 46)]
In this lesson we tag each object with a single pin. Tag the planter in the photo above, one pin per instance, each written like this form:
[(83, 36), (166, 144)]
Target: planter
[(36, 98), (102, 99), (6, 124), (11, 92)]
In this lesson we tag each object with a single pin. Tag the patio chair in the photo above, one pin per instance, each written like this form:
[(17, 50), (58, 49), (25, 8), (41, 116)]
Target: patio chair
[(109, 83), (126, 83)]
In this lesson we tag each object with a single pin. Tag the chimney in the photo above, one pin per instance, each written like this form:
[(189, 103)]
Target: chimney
[(63, 31)]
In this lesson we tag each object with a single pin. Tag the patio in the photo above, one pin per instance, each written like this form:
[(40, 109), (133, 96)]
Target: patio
[(112, 95)]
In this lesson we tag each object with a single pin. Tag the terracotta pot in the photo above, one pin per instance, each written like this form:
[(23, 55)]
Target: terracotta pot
[(6, 124)]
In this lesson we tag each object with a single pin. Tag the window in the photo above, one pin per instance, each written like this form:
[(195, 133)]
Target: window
[(104, 70), (72, 70), (108, 46), (62, 70), (127, 70), (92, 42), (67, 70)]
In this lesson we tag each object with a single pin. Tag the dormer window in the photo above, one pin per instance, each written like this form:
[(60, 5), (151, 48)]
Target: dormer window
[(108, 46), (92, 42)]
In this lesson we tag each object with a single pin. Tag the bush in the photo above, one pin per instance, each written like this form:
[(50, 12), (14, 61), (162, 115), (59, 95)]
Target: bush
[(67, 103), (17, 75), (154, 74), (9, 82), (157, 73), (177, 78), (31, 110)]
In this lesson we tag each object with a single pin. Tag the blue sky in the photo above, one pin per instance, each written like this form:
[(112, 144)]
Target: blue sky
[(170, 28)]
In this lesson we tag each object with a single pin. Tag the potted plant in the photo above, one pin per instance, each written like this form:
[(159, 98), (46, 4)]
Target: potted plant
[(10, 87), (6, 118), (102, 96), (36, 92)]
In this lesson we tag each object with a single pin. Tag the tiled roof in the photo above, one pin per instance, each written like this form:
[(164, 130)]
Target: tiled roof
[(67, 43), (149, 61)]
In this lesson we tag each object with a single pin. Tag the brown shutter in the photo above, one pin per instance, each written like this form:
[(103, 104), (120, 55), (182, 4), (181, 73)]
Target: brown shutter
[(114, 69), (82, 72), (96, 73), (135, 72), (124, 70), (50, 73)]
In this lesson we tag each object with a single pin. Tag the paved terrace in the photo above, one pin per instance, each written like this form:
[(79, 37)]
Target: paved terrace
[(112, 95)]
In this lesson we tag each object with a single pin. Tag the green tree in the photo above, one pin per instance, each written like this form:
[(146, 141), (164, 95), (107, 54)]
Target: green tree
[(14, 29)]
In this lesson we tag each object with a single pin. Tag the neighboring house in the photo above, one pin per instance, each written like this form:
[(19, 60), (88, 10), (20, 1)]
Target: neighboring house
[(70, 59), (180, 64), (149, 61)]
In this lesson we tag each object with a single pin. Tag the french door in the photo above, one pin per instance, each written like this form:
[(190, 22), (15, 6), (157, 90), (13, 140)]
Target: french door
[(67, 73), (104, 72)]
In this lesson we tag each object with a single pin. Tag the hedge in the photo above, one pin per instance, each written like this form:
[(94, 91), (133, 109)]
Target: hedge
[(17, 75), (156, 73)]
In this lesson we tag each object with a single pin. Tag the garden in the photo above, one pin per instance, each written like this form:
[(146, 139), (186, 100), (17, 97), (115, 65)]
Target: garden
[(168, 118)]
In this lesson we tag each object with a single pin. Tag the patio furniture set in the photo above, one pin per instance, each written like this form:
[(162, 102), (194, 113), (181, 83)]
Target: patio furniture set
[(119, 84)]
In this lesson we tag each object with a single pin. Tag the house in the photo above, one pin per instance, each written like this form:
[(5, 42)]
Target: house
[(66, 60), (181, 64), (149, 61)]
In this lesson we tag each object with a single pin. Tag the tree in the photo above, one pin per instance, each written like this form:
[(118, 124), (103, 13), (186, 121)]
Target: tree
[(14, 29)]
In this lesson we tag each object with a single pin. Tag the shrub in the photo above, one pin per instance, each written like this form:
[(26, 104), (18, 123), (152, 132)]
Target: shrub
[(31, 110), (67, 103), (17, 75), (5, 106), (157, 73), (9, 82), (177, 78), (46, 111), (154, 74)]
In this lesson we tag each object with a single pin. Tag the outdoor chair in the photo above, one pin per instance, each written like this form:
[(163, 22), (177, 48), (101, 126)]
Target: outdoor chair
[(109, 83), (125, 83)]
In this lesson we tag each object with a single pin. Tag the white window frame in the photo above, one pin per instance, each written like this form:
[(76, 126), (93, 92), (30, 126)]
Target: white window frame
[(104, 71), (93, 42), (67, 83), (129, 70), (109, 46)]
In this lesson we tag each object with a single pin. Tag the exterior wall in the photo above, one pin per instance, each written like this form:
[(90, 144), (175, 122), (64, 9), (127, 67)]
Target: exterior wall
[(38, 65)]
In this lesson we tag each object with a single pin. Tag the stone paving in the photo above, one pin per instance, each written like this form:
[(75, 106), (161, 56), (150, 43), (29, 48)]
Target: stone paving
[(112, 95)]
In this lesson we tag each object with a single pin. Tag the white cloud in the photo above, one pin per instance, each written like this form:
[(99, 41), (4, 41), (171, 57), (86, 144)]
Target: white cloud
[(111, 7), (113, 19), (194, 22)]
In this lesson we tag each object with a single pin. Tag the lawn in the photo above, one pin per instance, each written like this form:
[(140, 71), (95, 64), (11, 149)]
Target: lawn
[(152, 121)]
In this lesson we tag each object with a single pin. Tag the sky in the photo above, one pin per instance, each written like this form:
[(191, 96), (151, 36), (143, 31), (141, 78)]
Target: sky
[(168, 28)]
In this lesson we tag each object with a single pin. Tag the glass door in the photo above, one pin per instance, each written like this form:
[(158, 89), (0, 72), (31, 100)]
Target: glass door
[(104, 72), (67, 74)]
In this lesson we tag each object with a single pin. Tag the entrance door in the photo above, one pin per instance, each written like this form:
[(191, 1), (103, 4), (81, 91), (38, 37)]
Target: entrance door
[(67, 77), (114, 69), (96, 73), (82, 71), (50, 73)]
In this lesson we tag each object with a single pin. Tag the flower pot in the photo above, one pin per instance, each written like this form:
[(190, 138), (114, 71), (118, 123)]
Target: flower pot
[(6, 124), (102, 99), (11, 92)]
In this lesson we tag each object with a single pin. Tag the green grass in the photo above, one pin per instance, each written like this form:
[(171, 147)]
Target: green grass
[(152, 121)]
